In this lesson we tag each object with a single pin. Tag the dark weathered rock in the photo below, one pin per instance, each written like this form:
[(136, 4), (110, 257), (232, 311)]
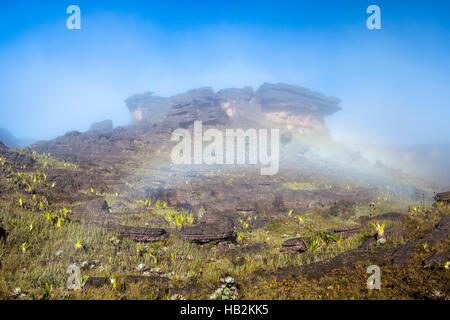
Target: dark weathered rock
[(211, 228), (92, 148), (284, 97), (199, 104), (437, 260), (295, 245), (443, 197), (102, 126), (138, 234)]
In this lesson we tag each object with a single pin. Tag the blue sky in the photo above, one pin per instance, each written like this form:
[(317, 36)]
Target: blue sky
[(393, 82)]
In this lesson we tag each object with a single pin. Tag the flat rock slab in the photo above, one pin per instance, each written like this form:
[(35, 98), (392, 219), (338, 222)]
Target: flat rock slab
[(443, 196), (295, 245), (212, 228), (138, 234)]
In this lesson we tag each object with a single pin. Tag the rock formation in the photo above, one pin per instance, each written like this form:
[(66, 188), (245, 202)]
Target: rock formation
[(279, 105), (211, 228), (443, 197), (146, 106), (295, 245), (138, 234)]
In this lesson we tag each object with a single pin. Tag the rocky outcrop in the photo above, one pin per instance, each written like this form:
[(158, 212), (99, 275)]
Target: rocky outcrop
[(138, 234), (102, 126), (147, 106), (295, 99), (96, 148), (211, 228), (295, 106), (277, 104), (199, 104)]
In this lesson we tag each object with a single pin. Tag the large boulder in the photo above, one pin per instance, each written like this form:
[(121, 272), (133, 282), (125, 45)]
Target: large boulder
[(295, 245), (211, 228)]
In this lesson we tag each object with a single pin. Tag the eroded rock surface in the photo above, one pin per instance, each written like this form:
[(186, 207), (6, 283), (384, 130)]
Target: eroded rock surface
[(443, 197), (211, 228), (138, 234), (295, 245)]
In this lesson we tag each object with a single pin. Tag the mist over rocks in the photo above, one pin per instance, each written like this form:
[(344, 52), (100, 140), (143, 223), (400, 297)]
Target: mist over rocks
[(279, 104), (198, 104), (104, 125), (297, 112), (11, 141), (146, 106)]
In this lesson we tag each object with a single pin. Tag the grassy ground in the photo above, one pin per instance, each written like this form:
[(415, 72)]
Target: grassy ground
[(38, 252), (44, 240)]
